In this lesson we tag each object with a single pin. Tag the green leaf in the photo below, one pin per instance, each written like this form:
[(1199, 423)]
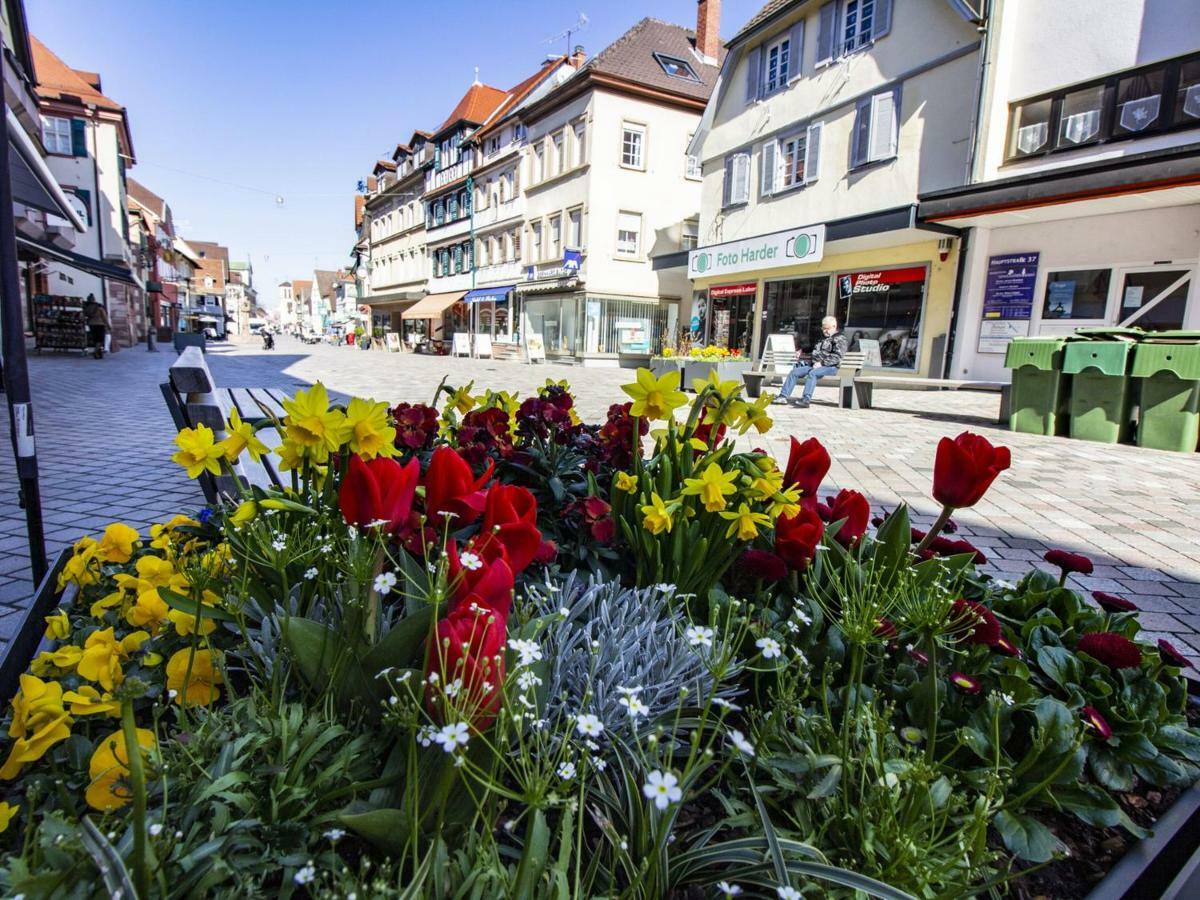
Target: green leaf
[(1161, 771), (324, 661), (1056, 725), (534, 856), (107, 860), (1026, 837), (387, 829), (1184, 741), (188, 605), (893, 540), (1090, 803), (846, 878), (827, 785), (1060, 664), (1109, 771), (401, 647)]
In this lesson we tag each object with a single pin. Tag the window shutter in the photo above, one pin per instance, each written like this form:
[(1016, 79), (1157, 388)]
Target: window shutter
[(78, 137), (827, 32), (796, 51), (741, 171), (768, 163), (812, 153), (727, 186), (862, 129), (882, 22), (883, 126), (753, 74)]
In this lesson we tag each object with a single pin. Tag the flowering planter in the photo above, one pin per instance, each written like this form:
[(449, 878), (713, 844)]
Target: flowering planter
[(726, 369), (27, 636), (661, 365)]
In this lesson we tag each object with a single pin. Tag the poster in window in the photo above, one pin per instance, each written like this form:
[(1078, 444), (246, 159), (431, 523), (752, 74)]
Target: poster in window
[(1007, 300), (1060, 299), (1133, 296)]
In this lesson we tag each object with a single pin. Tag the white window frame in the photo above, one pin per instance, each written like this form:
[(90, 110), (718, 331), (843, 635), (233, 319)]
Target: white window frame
[(539, 163), (579, 141), (575, 228), (627, 249), (737, 174), (860, 38), (783, 69), (555, 222), (536, 244), (637, 159), (57, 140), (689, 234), (692, 168)]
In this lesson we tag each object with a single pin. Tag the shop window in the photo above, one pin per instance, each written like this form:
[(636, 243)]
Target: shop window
[(883, 306), (1077, 294), (793, 307), (1155, 300)]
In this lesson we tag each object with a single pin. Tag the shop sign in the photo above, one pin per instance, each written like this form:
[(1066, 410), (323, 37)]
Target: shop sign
[(877, 282), (796, 247), (1008, 297), (718, 291)]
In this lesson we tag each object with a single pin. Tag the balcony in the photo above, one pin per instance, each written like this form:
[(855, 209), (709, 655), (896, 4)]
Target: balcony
[(501, 212), (440, 177), (500, 273)]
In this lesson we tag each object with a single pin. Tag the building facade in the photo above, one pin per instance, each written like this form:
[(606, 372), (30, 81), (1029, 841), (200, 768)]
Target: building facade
[(207, 309)]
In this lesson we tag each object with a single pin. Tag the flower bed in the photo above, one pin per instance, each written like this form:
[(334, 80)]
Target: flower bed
[(483, 648)]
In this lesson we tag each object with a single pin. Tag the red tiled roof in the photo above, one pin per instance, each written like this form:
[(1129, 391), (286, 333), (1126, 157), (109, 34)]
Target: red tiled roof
[(521, 91), (141, 194), (479, 102), (58, 81)]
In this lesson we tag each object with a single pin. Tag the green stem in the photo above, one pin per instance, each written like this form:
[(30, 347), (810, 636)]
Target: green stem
[(931, 736), (137, 779), (935, 529)]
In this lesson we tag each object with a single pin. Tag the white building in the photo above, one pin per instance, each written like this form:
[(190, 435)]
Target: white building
[(1084, 202), (288, 320)]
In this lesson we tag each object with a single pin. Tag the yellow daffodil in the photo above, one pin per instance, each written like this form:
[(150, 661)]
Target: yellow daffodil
[(744, 523), (370, 433), (58, 626), (784, 503), (109, 767), (201, 688), (711, 487), (149, 611), (117, 544), (724, 389), (461, 400), (766, 485), (197, 451), (31, 749), (627, 483), (311, 425), (754, 415), (291, 456), (655, 398), (7, 811), (185, 623), (87, 701), (103, 653), (245, 512), (36, 703), (240, 436), (658, 517)]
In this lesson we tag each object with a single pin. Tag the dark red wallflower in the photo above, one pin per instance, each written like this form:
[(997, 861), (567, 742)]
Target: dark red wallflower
[(965, 468), (547, 551), (951, 527), (797, 537), (1171, 655), (974, 623), (1008, 647), (538, 417), (762, 564), (451, 487), (704, 431), (1097, 722), (854, 508), (1112, 603), (918, 657), (510, 517), (484, 432), (1113, 650), (615, 436), (379, 491), (596, 516), (416, 426), (947, 547), (808, 464), (877, 520), (1069, 562)]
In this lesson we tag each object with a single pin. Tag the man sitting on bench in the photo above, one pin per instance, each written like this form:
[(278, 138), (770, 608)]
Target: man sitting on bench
[(824, 360)]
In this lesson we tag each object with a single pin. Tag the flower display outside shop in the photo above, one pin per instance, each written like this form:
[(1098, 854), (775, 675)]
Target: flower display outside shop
[(483, 648)]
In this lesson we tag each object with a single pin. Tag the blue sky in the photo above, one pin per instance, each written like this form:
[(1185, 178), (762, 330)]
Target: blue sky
[(233, 104)]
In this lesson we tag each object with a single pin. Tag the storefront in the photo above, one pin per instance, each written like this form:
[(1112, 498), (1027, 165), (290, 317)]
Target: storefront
[(434, 319), (492, 313), (599, 330)]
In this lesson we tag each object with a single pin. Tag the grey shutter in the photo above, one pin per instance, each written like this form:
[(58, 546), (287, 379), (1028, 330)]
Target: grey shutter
[(882, 22), (812, 152), (768, 164), (883, 126), (78, 137), (753, 74), (796, 51), (862, 131), (727, 188), (741, 177), (827, 32)]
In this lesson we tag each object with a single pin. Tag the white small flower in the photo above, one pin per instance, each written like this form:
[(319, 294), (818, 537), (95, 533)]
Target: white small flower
[(635, 706), (425, 735), (726, 704), (566, 771), (769, 646), (564, 612), (384, 582), (663, 788), (448, 515), (433, 678), (156, 829), (1007, 699), (739, 740), (470, 560), (801, 616), (1004, 585), (310, 574), (179, 835), (793, 627), (729, 890), (279, 544), (452, 736), (527, 680), (528, 652), (172, 694), (589, 725), (453, 688), (628, 691), (699, 636), (335, 834), (787, 892), (352, 532), (378, 523), (664, 588), (890, 780), (305, 875)]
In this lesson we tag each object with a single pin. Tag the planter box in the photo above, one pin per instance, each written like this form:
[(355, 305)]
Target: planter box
[(661, 365), (726, 369), (27, 636)]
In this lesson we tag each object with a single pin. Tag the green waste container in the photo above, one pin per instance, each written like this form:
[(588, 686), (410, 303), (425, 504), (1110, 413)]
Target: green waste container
[(1169, 375), (1039, 387), (1101, 404)]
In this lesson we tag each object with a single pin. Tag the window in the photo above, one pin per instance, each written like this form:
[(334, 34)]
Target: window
[(1155, 300), (676, 67), (1187, 99), (885, 306), (482, 253), (1030, 128), (632, 139), (535, 241), (56, 135), (560, 160), (439, 212), (451, 207), (575, 229), (580, 143), (691, 168), (629, 233), (1077, 294), (777, 63), (875, 128), (539, 163), (1139, 102), (208, 281), (458, 258), (555, 237), (860, 17), (737, 179), (689, 238), (493, 145), (1079, 122)]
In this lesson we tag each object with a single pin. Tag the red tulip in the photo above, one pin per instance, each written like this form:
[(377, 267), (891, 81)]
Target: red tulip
[(510, 517), (885, 628), (468, 658), (965, 468), (379, 491), (808, 464), (451, 488), (1098, 723), (476, 578), (1069, 562), (854, 508), (797, 537), (1113, 650)]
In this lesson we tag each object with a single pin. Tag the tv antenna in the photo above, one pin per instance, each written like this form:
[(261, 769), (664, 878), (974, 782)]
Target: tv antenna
[(579, 25)]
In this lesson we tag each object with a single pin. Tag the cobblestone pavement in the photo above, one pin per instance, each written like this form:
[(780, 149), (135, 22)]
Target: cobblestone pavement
[(104, 439)]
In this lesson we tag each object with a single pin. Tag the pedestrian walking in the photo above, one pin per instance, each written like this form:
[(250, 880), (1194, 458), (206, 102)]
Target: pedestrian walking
[(824, 360), (98, 325)]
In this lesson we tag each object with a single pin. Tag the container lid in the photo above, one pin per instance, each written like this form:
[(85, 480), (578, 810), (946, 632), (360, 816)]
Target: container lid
[(1180, 360), (1175, 336), (1110, 334), (1038, 352), (1109, 357)]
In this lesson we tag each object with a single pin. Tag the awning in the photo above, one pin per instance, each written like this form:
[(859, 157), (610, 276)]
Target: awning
[(96, 267), (497, 294), (32, 181), (432, 306)]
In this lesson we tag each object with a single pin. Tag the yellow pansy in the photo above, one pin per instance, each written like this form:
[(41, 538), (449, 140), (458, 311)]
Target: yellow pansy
[(658, 517), (36, 703), (655, 398), (87, 701), (201, 688), (148, 611), (43, 666), (65, 657), (109, 767), (7, 811), (245, 512), (152, 572), (58, 626), (107, 602), (31, 749), (152, 659), (103, 653), (744, 523), (197, 451), (711, 487), (163, 535), (185, 623), (117, 544), (240, 436), (368, 428), (82, 568), (311, 425), (627, 483)]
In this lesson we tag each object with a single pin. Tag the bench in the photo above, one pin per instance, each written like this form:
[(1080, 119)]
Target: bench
[(182, 339), (864, 386), (194, 399), (769, 369)]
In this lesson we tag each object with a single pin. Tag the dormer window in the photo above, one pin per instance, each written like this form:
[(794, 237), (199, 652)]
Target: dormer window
[(676, 67)]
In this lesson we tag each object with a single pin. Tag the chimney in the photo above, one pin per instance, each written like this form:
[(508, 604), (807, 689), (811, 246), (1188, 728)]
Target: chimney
[(708, 30), (578, 58)]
